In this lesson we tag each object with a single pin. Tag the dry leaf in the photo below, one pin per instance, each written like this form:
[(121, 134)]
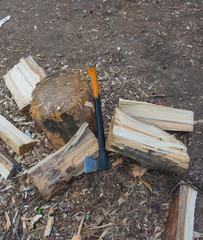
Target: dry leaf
[(146, 184), (117, 162)]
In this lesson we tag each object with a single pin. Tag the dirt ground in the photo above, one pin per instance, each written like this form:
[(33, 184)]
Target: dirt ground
[(144, 50)]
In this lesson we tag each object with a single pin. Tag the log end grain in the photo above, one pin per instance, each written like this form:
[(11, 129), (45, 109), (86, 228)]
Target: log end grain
[(58, 105)]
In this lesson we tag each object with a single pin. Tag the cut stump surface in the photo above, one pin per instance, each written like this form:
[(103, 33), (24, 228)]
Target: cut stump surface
[(58, 105)]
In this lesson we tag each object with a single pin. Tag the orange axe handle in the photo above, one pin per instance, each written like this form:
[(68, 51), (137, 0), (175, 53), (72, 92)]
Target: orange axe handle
[(93, 78)]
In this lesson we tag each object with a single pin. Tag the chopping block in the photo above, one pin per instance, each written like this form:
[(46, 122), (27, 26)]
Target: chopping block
[(59, 106)]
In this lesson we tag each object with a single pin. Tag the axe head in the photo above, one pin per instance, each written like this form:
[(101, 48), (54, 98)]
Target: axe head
[(100, 164)]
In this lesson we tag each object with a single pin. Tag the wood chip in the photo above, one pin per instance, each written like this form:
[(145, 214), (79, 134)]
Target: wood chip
[(146, 184), (88, 104), (7, 224), (139, 171), (117, 162), (31, 221), (49, 226), (51, 211)]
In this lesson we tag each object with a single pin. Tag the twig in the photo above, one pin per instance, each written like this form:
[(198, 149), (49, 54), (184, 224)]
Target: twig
[(15, 230), (102, 226), (80, 227), (91, 234), (28, 190), (25, 203), (77, 236)]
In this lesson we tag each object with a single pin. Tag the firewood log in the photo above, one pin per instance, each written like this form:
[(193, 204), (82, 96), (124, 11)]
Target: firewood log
[(50, 175), (21, 81), (17, 140), (147, 144), (167, 118), (180, 222)]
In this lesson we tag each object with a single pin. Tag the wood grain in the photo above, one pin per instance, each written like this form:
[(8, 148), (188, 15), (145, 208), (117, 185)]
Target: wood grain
[(17, 140), (147, 144), (50, 175), (167, 118)]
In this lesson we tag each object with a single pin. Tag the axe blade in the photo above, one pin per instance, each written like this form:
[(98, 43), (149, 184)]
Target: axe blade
[(90, 165)]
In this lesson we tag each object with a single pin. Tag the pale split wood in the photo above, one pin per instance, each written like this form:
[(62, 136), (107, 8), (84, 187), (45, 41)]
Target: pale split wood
[(180, 221), (49, 226), (50, 175), (39, 71), (146, 143), (167, 118), (62, 150), (22, 79), (14, 138), (20, 99), (5, 166), (8, 165), (185, 227)]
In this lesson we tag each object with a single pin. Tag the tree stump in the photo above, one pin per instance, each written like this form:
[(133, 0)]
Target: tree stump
[(58, 105)]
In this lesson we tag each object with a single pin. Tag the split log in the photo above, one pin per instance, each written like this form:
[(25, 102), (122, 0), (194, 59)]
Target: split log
[(8, 166), (180, 222), (21, 81), (17, 140), (167, 118), (50, 175), (147, 144), (58, 105)]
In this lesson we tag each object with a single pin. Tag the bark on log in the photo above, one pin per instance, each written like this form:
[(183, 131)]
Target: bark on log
[(167, 118), (21, 81), (17, 140), (8, 166), (147, 144), (58, 105), (180, 222), (50, 175)]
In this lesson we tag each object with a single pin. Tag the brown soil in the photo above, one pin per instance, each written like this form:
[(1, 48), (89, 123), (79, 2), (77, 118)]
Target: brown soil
[(144, 50)]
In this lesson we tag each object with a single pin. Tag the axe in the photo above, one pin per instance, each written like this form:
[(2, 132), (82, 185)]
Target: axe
[(102, 162)]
